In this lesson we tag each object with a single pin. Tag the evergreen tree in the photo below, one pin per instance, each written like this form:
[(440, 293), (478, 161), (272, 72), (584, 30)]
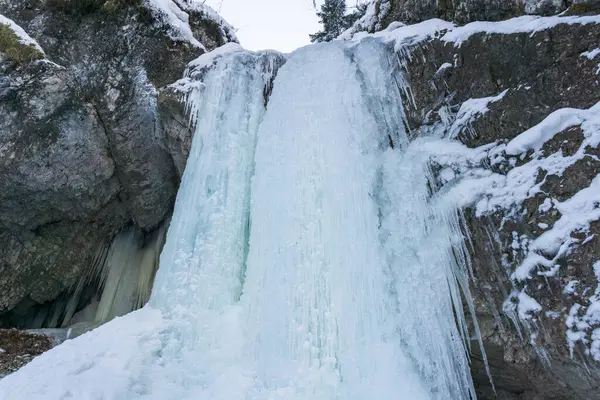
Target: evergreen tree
[(359, 11), (333, 18)]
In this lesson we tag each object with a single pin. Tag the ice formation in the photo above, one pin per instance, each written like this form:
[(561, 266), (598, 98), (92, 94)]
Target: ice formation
[(307, 257)]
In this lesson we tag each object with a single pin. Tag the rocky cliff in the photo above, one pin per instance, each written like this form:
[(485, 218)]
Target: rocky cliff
[(85, 136), (533, 231)]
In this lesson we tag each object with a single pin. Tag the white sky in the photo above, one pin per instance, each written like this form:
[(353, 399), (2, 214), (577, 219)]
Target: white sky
[(282, 25)]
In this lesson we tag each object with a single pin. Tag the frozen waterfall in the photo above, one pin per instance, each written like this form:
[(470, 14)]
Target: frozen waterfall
[(306, 258)]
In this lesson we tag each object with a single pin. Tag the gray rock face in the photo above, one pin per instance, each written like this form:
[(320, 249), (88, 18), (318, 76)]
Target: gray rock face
[(82, 149), (529, 355)]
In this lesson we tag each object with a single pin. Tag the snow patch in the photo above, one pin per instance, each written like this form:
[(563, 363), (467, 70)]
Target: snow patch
[(443, 67), (199, 6), (174, 15), (527, 306), (208, 59), (590, 55), (23, 36), (371, 21), (470, 110), (175, 19), (583, 322), (558, 121)]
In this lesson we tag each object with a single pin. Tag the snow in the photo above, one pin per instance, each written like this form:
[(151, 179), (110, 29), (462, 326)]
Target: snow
[(467, 180), (175, 19), (470, 110), (493, 191), (590, 55), (546, 206), (576, 214), (571, 287), (583, 322), (174, 15), (405, 36), (527, 306), (24, 38), (208, 59), (74, 368), (200, 6), (535, 137), (371, 21), (524, 24), (409, 35), (443, 67), (474, 184)]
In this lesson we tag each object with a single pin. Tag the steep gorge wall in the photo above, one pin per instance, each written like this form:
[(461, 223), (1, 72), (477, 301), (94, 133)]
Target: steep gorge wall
[(540, 351)]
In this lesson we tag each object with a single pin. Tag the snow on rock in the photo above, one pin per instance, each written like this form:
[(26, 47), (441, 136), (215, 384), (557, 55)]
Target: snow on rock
[(470, 110), (207, 59), (522, 24), (559, 120), (24, 38), (493, 191), (412, 34), (468, 181), (583, 322), (527, 306), (199, 6), (443, 67), (404, 36), (174, 14), (175, 19), (371, 21), (590, 55)]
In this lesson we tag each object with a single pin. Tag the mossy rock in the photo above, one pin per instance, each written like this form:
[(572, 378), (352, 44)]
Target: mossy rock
[(581, 9), (11, 46)]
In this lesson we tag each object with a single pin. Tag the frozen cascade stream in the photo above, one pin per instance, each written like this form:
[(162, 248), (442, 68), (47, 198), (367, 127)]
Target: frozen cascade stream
[(306, 258)]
